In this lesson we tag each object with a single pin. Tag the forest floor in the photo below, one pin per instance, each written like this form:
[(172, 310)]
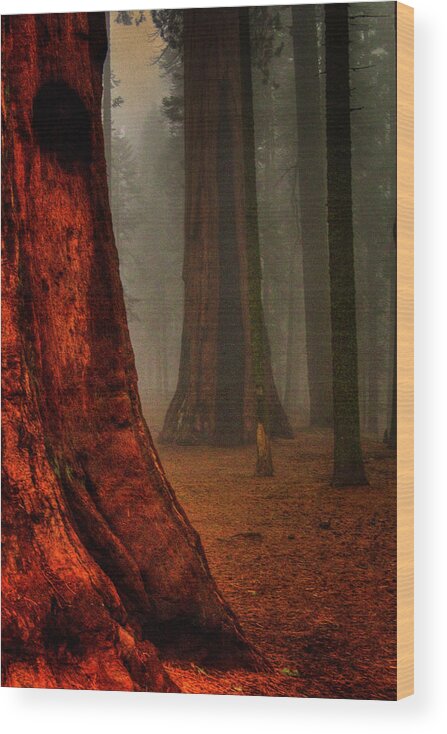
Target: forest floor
[(308, 569)]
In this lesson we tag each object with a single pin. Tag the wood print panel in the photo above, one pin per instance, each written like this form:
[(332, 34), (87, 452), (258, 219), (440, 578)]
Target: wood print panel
[(207, 350)]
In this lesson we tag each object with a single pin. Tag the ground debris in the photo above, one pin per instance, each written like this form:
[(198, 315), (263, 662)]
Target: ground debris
[(324, 605)]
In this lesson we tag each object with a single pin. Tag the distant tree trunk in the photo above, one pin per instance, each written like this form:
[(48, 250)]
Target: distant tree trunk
[(296, 393), (312, 200), (348, 460), (292, 352), (258, 330), (99, 560), (296, 384), (107, 109), (163, 340), (268, 177), (372, 423), (391, 438), (215, 401)]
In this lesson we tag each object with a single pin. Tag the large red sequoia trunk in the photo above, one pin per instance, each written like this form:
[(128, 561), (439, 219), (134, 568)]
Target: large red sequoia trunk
[(100, 561), (215, 400)]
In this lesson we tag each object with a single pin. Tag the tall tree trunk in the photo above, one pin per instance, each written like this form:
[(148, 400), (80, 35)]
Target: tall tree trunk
[(312, 198), (292, 353), (107, 108), (296, 382), (296, 394), (100, 562), (215, 400), (164, 341), (269, 156), (391, 437), (374, 363), (258, 330), (348, 460)]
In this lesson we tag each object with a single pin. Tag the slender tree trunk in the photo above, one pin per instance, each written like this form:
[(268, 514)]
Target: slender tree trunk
[(348, 461), (391, 438), (363, 329), (99, 560), (164, 340), (269, 155), (107, 109), (258, 330), (115, 198), (296, 394), (215, 400), (296, 386), (292, 357), (313, 198), (374, 363)]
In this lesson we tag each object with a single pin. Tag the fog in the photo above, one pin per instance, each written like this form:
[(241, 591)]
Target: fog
[(148, 192)]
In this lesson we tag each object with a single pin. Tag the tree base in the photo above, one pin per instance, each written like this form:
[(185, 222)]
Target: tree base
[(350, 478), (192, 429), (222, 648)]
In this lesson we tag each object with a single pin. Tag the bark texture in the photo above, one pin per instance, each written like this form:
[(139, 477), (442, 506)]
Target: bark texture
[(313, 200), (348, 460), (215, 400), (99, 560)]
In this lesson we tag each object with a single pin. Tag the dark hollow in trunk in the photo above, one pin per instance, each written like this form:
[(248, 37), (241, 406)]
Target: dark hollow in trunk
[(215, 181), (99, 559), (348, 460), (61, 124)]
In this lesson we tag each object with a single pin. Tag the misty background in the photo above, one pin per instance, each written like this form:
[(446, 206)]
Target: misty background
[(147, 197)]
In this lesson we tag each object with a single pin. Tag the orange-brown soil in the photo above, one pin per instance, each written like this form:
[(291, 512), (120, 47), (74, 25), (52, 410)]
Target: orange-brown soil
[(309, 569)]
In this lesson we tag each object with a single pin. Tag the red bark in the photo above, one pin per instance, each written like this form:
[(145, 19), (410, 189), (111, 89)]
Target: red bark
[(100, 560), (215, 400)]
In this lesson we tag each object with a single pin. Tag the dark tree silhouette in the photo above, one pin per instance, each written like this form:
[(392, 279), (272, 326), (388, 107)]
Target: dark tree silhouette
[(311, 162), (258, 332), (348, 460), (107, 107), (391, 434)]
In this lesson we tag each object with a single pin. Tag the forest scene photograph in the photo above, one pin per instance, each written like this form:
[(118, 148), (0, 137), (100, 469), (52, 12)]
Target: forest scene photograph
[(199, 353)]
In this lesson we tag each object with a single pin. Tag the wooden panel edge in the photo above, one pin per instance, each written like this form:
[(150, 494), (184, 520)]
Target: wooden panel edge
[(405, 351)]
